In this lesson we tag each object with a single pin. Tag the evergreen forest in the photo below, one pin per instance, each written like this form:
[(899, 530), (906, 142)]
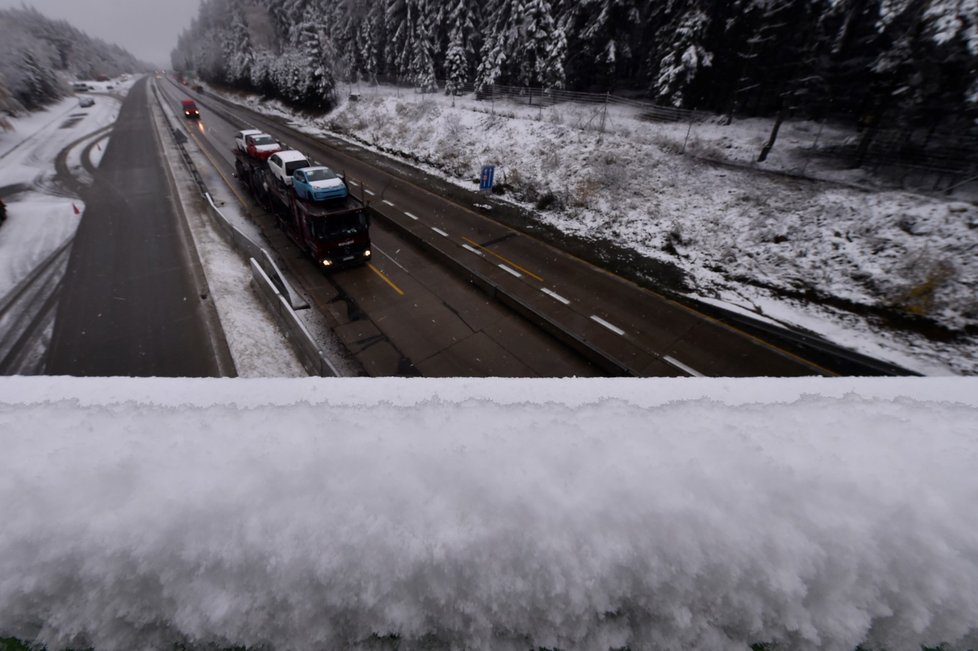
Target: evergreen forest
[(911, 63)]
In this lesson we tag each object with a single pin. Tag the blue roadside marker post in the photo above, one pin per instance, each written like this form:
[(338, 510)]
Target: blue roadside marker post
[(486, 178)]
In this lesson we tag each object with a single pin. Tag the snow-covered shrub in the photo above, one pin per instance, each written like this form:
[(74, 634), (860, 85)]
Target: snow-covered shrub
[(924, 276), (584, 192)]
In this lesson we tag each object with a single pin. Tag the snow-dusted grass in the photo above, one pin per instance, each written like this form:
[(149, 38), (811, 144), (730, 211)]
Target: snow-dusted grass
[(489, 515), (742, 235)]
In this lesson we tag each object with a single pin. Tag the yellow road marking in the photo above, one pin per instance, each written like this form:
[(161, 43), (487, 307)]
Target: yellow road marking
[(385, 279), (506, 260), (217, 169)]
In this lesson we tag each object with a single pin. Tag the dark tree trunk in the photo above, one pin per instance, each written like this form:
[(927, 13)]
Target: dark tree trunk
[(769, 145)]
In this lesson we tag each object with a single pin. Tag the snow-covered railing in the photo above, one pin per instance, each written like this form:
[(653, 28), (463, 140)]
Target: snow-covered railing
[(488, 514)]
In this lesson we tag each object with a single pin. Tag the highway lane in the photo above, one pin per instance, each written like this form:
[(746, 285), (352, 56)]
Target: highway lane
[(132, 302), (631, 329), (404, 314)]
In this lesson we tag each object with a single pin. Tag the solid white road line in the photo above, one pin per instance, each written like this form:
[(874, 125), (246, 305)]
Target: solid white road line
[(388, 256), (675, 362), (510, 271), (615, 329), (439, 231), (555, 295)]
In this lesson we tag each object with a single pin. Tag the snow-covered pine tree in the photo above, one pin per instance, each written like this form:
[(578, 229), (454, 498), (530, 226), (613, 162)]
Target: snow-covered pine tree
[(680, 53), (501, 42), (460, 52), (543, 47), (605, 39), (345, 20), (399, 29), (309, 74), (421, 67), (238, 52), (371, 41)]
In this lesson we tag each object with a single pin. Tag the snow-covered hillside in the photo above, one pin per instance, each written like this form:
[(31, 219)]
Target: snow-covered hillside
[(822, 255)]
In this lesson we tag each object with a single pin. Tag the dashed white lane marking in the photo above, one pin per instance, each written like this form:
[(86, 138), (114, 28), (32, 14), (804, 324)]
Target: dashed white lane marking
[(610, 326), (353, 183), (472, 249), (555, 295), (439, 231), (410, 215), (370, 192), (387, 202), (675, 362), (510, 271)]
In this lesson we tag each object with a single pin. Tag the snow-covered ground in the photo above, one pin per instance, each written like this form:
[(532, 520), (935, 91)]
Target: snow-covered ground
[(489, 514), (774, 245), (41, 213)]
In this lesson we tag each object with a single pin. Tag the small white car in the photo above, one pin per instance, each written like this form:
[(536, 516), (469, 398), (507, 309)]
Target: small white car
[(85, 102), (283, 163), (239, 138)]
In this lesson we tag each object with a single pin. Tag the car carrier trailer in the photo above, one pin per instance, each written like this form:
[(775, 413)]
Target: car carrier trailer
[(334, 233)]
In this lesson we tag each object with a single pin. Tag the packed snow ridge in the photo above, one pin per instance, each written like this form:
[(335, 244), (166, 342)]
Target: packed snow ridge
[(489, 514)]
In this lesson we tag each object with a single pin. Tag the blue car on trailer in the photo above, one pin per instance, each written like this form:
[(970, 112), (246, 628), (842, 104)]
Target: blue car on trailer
[(318, 184)]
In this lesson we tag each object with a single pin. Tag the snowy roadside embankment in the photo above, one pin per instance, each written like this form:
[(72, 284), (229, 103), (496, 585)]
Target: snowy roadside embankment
[(42, 212), (493, 514)]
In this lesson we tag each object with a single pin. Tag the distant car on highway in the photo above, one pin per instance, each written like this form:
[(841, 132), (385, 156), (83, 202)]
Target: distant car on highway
[(283, 164), (261, 146), (85, 102), (318, 184), (190, 109)]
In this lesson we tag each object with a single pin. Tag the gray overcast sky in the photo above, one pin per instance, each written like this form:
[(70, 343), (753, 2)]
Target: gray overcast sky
[(147, 28)]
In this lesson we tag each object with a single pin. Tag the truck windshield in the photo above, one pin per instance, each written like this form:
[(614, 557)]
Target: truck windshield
[(325, 228)]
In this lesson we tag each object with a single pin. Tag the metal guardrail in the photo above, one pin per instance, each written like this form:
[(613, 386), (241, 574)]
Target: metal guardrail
[(311, 356), (250, 249), (278, 295)]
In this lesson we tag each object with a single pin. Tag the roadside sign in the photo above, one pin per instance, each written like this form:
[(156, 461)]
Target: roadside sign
[(486, 178)]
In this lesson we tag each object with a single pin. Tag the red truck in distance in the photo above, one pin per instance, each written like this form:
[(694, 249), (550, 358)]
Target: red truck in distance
[(190, 110)]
